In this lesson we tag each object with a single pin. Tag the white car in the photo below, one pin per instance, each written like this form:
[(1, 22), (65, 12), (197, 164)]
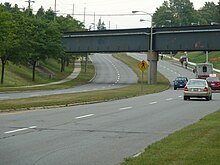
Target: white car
[(198, 88)]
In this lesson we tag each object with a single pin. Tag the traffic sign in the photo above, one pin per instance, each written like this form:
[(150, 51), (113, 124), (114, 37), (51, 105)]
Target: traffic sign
[(143, 65)]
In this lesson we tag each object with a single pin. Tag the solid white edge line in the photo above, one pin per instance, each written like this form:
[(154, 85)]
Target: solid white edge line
[(84, 116), (32, 127), (138, 154), (22, 129)]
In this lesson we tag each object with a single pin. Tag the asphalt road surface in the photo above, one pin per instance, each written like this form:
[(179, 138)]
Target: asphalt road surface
[(99, 134)]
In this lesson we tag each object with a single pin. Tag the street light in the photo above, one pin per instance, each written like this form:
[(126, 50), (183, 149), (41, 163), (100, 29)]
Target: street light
[(150, 81), (141, 20), (151, 27)]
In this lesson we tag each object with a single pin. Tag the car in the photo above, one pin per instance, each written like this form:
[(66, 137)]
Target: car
[(198, 88), (214, 82), (179, 82)]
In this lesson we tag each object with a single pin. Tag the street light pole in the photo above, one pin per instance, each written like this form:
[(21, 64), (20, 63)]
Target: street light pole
[(55, 6), (152, 71), (151, 27)]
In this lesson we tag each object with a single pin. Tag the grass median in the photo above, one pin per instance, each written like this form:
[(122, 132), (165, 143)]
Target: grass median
[(198, 144), (90, 97)]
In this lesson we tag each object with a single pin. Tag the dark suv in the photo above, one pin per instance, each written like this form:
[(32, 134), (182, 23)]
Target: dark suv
[(180, 82)]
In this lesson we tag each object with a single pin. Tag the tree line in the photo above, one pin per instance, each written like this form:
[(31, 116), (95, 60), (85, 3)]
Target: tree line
[(183, 13), (26, 38)]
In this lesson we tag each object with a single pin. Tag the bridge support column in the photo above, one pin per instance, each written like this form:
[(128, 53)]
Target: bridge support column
[(152, 58)]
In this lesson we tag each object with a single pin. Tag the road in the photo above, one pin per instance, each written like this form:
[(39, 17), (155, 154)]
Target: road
[(110, 73), (103, 133)]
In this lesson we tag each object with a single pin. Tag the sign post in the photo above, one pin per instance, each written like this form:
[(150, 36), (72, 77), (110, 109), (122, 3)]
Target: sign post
[(142, 66)]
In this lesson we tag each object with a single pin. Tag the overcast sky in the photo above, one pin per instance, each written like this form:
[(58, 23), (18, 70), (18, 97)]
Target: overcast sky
[(102, 7)]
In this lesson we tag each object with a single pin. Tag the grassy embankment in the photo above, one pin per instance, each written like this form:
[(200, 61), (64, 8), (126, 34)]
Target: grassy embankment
[(86, 97), (18, 76)]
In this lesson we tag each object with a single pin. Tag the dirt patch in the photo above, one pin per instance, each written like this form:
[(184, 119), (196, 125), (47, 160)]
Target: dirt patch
[(216, 59)]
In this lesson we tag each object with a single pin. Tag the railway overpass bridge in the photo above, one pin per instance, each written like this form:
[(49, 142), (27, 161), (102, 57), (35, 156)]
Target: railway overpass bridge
[(153, 41)]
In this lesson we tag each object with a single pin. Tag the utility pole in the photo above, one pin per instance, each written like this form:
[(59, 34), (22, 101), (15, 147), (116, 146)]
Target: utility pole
[(29, 5), (84, 16), (94, 22), (109, 25), (73, 9), (55, 10)]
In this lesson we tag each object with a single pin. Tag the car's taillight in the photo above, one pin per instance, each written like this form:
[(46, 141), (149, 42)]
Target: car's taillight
[(185, 88), (205, 89)]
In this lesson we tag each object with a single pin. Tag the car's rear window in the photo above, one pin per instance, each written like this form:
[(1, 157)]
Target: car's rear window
[(212, 79), (196, 83), (181, 79)]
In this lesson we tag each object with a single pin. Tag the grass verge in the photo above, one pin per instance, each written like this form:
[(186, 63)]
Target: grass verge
[(196, 144)]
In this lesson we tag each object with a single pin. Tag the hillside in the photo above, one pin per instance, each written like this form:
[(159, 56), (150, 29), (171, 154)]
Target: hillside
[(21, 75), (200, 57)]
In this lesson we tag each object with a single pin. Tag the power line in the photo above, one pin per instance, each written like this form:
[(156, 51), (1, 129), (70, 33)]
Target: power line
[(102, 15)]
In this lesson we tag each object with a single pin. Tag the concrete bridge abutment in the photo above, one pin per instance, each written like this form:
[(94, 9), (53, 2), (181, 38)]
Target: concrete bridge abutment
[(152, 58)]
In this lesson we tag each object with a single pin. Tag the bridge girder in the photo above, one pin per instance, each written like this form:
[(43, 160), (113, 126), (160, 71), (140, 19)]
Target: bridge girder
[(189, 38)]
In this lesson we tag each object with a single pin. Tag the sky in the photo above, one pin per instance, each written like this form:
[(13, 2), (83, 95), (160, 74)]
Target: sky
[(104, 9)]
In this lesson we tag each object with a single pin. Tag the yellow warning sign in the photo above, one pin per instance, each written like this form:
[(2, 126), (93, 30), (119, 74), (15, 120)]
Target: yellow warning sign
[(143, 65)]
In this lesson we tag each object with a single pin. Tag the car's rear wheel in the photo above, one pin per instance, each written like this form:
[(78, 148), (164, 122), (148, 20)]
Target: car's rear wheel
[(208, 98), (185, 98)]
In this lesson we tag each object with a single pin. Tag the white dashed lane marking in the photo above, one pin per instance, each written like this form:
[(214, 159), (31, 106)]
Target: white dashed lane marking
[(84, 116), (22, 129), (125, 108), (155, 102)]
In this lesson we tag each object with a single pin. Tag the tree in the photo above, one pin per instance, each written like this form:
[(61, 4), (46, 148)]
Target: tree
[(175, 13), (10, 39), (183, 12), (28, 37), (163, 16), (49, 15), (218, 13), (44, 40), (68, 23), (40, 12), (208, 13)]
